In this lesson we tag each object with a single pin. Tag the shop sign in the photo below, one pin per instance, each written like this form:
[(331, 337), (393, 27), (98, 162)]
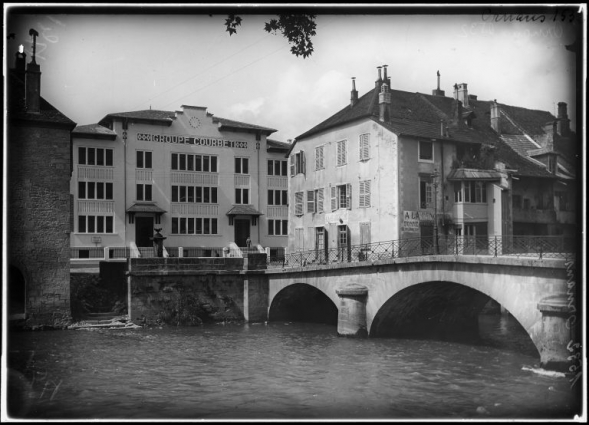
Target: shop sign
[(411, 220), (188, 140)]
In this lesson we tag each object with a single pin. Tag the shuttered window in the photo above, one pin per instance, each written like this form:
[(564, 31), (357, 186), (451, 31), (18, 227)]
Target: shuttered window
[(364, 147), (319, 200), (299, 239), (297, 163), (292, 165), (364, 233), (310, 201), (365, 194), (319, 160), (334, 205), (342, 155), (299, 203)]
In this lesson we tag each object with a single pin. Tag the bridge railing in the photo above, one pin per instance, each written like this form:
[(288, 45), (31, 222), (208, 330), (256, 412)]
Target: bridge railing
[(520, 246)]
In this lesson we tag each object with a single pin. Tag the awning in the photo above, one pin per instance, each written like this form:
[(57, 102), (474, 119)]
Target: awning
[(243, 210), (472, 174), (146, 207)]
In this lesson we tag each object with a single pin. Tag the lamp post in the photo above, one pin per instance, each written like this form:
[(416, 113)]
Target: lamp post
[(434, 177)]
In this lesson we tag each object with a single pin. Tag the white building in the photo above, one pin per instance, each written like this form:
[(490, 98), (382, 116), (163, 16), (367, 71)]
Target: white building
[(207, 182)]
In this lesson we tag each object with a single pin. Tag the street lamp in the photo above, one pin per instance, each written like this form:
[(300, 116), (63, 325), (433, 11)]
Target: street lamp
[(434, 177)]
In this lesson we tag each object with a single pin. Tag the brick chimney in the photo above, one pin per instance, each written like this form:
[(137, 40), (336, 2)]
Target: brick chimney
[(378, 82), (457, 114), (384, 102), (386, 79), (33, 80), (354, 93), (438, 92), (463, 94), (495, 117), (20, 62), (563, 124)]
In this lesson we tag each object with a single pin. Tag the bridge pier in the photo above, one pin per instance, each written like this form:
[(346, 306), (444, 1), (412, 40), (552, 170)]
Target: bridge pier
[(351, 319), (556, 334)]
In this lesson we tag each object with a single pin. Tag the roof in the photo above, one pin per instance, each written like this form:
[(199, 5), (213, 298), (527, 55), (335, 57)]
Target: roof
[(277, 146), (168, 117), (94, 130), (471, 174), (243, 210), (520, 144), (146, 207), (17, 109)]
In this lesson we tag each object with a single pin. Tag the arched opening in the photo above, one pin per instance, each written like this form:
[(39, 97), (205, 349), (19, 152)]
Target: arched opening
[(303, 303), (449, 311), (16, 291)]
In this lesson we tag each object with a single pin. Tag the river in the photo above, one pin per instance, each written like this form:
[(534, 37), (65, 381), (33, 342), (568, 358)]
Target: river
[(281, 371)]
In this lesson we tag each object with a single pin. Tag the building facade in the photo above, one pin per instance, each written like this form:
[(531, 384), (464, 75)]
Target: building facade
[(397, 165), (38, 202), (206, 182)]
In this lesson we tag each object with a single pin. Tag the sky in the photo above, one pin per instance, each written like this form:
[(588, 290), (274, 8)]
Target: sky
[(94, 64)]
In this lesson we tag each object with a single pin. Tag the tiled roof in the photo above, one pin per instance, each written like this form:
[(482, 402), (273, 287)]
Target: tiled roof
[(242, 125), (471, 174), (520, 144), (243, 210), (94, 130), (147, 207), (17, 109), (275, 144)]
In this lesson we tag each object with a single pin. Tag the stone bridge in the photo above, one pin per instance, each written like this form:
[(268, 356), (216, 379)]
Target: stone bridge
[(432, 295)]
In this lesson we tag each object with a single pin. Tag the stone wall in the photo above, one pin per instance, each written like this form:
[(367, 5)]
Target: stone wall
[(39, 220)]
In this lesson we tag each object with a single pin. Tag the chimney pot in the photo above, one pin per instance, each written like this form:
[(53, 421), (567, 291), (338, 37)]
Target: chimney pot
[(354, 93), (562, 110)]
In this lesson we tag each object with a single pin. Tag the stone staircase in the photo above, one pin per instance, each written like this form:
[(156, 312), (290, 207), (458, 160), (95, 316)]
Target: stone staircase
[(108, 320)]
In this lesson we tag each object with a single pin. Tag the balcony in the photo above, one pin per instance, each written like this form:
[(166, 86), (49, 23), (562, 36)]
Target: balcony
[(464, 212), (280, 211), (94, 173), (533, 215), (277, 182)]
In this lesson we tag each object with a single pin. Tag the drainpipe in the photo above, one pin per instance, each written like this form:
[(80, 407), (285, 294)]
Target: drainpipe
[(258, 146)]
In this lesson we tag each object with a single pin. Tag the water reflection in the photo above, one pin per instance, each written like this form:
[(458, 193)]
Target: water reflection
[(280, 371)]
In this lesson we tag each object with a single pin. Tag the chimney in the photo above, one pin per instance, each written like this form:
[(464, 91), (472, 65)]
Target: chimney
[(384, 102), (562, 120), (354, 95), (386, 79), (495, 117), (438, 92), (463, 94), (456, 91), (457, 116), (33, 80), (20, 62), (379, 81)]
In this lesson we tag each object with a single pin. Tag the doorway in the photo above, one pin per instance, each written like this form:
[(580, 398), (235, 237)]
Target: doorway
[(242, 231), (143, 231)]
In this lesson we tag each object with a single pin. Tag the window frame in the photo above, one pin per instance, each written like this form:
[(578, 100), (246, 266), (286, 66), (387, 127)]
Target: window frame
[(419, 151)]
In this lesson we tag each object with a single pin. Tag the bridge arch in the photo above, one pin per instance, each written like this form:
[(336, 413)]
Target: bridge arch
[(301, 302), (17, 287)]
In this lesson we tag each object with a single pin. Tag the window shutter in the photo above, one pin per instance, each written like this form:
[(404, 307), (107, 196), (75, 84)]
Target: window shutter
[(333, 198), (303, 163), (320, 200), (299, 203), (349, 196), (310, 201), (364, 233), (292, 165), (367, 193), (365, 146), (361, 189)]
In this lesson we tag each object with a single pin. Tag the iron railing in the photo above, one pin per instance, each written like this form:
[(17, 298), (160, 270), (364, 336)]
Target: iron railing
[(519, 246)]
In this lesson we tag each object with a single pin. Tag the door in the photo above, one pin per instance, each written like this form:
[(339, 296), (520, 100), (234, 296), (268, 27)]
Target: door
[(343, 243), (242, 231), (143, 231)]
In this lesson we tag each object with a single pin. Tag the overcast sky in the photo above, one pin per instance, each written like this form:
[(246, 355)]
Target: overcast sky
[(93, 64)]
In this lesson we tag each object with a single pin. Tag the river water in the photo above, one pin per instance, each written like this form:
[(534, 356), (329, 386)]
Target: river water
[(281, 371)]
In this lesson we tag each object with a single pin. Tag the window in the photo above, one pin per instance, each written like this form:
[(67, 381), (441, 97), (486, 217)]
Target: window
[(144, 192), (277, 197), (319, 200), (190, 162), (278, 227), (310, 201), (95, 224), (241, 196), (194, 226), (563, 201), (194, 194), (95, 190), (458, 192), (426, 151), (341, 153), (299, 203), (425, 193), (319, 161), (517, 201), (364, 233), (241, 165), (277, 167), (144, 159), (364, 147), (95, 156), (297, 163), (341, 197), (364, 194), (475, 192)]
